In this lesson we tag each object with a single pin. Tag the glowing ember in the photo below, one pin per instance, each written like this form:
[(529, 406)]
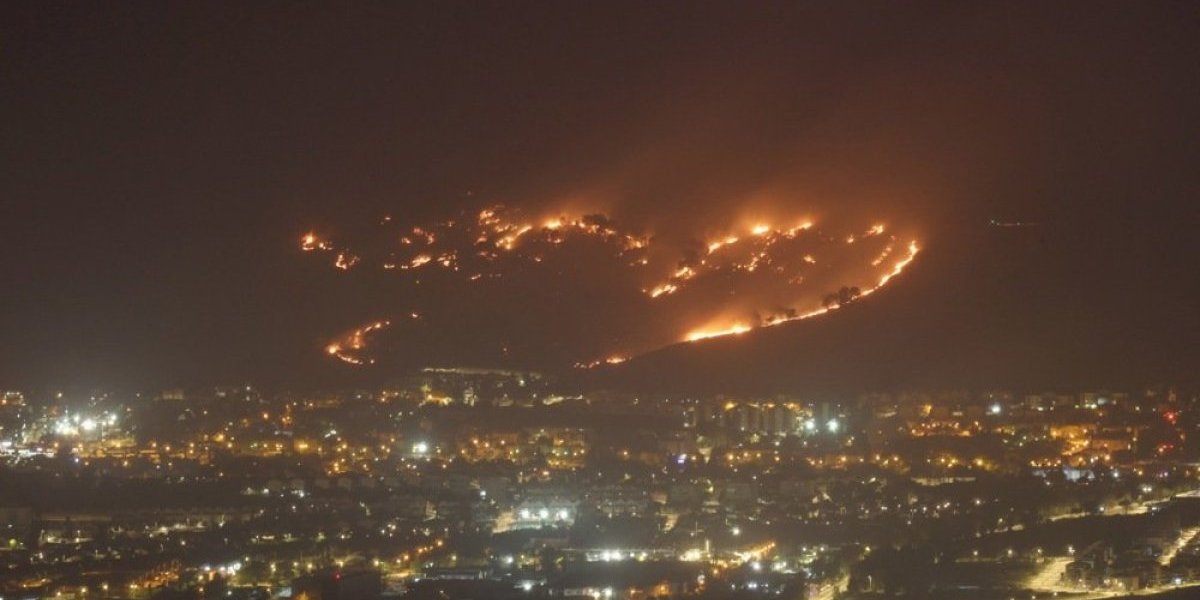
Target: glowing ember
[(659, 290), (347, 348), (717, 245), (702, 334)]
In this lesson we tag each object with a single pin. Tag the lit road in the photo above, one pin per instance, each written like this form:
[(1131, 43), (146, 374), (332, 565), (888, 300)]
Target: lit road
[(1179, 544), (1049, 577), (828, 591)]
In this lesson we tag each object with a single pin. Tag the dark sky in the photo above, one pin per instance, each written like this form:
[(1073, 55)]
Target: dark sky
[(159, 160)]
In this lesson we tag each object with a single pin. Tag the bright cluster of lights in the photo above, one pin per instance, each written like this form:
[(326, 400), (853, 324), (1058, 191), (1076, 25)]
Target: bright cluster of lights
[(226, 570), (832, 425), (72, 425), (544, 514)]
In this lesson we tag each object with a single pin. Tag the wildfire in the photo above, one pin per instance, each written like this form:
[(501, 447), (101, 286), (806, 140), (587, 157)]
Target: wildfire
[(794, 231), (611, 360), (887, 251), (345, 261), (770, 321), (703, 334), (346, 349), (717, 245), (309, 242), (485, 246), (660, 290), (913, 249)]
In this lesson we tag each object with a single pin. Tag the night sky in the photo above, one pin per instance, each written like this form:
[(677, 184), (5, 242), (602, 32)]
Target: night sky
[(161, 160)]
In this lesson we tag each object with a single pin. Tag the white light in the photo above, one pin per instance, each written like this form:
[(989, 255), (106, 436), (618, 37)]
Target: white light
[(88, 424), (65, 427), (563, 514), (420, 448), (810, 425), (543, 514), (995, 409), (832, 425)]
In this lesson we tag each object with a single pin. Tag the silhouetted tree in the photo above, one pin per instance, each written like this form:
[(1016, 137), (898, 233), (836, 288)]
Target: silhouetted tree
[(846, 295)]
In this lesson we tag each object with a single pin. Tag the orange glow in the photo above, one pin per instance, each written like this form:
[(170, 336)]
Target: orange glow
[(660, 290), (345, 261), (740, 328), (913, 249), (348, 347), (803, 226), (717, 245), (310, 242), (704, 334)]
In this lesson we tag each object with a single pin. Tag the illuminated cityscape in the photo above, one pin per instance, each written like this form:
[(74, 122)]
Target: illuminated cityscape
[(617, 300), (496, 483)]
